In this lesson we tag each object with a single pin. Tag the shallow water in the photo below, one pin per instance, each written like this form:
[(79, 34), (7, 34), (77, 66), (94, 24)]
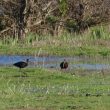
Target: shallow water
[(75, 62)]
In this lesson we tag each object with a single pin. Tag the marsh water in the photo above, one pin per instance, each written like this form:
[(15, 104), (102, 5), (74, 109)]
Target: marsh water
[(75, 62)]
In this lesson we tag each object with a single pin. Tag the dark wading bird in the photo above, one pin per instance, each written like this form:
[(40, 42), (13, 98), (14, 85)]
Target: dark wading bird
[(64, 64), (21, 64)]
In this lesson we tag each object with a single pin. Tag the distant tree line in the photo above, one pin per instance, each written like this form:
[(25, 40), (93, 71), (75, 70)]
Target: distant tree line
[(19, 17)]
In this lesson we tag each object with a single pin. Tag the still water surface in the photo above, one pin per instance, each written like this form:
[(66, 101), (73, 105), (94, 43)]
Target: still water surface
[(54, 61)]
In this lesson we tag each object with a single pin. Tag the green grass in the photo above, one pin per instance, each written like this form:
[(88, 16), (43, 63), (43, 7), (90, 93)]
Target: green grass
[(53, 90), (94, 41), (59, 51)]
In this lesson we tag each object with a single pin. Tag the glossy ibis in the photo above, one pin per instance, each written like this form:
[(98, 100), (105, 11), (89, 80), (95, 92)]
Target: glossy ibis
[(64, 64), (21, 64)]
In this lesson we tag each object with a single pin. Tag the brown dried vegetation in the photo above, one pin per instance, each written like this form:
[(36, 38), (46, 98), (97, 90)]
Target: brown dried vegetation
[(19, 17)]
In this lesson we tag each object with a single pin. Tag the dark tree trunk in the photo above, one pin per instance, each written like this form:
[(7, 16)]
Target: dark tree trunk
[(20, 22)]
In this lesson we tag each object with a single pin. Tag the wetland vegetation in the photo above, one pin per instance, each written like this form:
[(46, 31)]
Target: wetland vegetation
[(94, 41), (65, 29)]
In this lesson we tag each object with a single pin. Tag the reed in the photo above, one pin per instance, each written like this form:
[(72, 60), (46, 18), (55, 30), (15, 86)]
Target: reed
[(94, 41)]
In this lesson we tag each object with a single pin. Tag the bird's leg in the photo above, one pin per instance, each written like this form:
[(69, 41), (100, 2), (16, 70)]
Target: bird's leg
[(20, 71), (25, 73)]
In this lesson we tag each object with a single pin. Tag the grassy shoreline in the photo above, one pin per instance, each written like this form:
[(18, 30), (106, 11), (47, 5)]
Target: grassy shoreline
[(55, 50), (94, 41)]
